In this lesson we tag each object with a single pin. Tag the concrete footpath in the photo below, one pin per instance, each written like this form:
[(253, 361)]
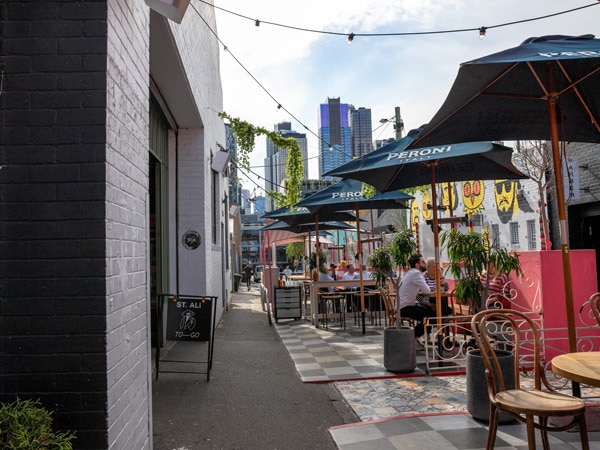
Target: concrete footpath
[(255, 399)]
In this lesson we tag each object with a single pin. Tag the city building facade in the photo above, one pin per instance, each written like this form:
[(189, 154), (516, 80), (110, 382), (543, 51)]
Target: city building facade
[(335, 140), (361, 131), (276, 160)]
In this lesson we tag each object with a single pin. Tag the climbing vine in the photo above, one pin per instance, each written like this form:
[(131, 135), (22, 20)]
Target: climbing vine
[(245, 135)]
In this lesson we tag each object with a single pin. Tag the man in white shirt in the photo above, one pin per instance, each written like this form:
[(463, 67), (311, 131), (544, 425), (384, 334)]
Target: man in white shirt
[(412, 284), (350, 274)]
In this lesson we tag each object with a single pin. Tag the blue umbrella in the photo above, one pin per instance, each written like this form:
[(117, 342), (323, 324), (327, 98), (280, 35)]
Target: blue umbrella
[(307, 227), (546, 88), (347, 194), (393, 166), (300, 215)]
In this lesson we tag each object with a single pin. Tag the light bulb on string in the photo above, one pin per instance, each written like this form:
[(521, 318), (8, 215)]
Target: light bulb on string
[(225, 49), (350, 38), (278, 107), (257, 24), (482, 31)]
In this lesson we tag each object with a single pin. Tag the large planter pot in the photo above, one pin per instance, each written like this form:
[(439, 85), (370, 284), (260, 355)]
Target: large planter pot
[(399, 354), (478, 402)]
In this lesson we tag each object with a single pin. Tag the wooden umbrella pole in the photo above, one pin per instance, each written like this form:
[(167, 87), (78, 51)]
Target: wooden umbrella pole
[(562, 222), (436, 245), (360, 274)]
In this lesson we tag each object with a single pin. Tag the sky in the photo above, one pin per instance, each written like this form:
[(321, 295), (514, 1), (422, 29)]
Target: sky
[(301, 69)]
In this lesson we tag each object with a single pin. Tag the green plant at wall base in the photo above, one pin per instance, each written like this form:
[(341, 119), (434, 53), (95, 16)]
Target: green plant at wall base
[(26, 425), (386, 259), (245, 136), (470, 256)]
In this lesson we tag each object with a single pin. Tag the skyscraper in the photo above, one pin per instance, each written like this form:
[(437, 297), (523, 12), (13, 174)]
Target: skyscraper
[(344, 132), (277, 158), (360, 126)]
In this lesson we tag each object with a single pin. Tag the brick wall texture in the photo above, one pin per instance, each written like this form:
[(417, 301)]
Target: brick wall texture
[(73, 215)]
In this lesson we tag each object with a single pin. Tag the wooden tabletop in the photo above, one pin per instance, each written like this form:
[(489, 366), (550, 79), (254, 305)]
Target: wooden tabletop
[(582, 367)]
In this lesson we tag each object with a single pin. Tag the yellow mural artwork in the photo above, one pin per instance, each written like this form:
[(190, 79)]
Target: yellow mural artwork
[(414, 214), (485, 233), (448, 190), (426, 211), (510, 199), (473, 193)]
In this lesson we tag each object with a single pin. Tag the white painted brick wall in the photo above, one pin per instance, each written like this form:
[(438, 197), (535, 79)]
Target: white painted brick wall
[(128, 322)]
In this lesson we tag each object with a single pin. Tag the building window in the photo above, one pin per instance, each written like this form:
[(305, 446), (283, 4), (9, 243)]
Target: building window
[(215, 207), (531, 235), (514, 233), (495, 234)]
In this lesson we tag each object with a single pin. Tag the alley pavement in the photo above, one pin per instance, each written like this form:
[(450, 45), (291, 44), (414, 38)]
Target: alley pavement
[(292, 386), (255, 398)]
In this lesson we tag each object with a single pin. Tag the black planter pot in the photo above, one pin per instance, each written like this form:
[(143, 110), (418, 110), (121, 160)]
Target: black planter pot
[(399, 353), (478, 402)]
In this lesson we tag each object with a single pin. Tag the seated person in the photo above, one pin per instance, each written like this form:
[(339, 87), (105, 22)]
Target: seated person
[(429, 276), (365, 273), (350, 273), (324, 277), (331, 271), (498, 295), (412, 284), (287, 272)]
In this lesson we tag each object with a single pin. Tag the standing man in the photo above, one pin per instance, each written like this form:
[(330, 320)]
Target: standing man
[(248, 274), (412, 284)]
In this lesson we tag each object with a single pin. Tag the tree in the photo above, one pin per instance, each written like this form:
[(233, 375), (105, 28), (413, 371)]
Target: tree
[(245, 136), (534, 159), (294, 252)]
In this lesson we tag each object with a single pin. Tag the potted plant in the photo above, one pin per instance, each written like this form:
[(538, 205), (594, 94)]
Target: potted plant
[(399, 353), (471, 256), (312, 264)]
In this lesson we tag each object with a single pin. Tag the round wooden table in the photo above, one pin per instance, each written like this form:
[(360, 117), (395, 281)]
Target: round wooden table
[(581, 367)]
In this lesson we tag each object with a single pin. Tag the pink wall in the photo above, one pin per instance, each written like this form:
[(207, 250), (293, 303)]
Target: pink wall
[(547, 265)]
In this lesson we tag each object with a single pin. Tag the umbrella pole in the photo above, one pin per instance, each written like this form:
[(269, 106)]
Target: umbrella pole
[(436, 245), (360, 274), (562, 221)]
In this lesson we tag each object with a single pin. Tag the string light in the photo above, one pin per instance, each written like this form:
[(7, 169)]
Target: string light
[(257, 23), (352, 35), (225, 49), (482, 32), (350, 38)]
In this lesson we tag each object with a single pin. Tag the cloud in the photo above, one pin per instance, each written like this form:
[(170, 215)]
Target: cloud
[(301, 69)]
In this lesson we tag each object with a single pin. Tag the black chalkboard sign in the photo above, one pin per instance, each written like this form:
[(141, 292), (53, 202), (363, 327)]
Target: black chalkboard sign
[(189, 318)]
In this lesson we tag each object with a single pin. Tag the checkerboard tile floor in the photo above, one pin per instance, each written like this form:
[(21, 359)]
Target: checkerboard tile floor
[(336, 354), (397, 411)]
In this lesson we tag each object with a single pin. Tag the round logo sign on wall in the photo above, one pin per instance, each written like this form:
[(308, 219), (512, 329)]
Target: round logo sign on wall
[(191, 240)]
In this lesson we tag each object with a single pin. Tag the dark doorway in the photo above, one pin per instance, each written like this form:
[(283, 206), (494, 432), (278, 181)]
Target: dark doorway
[(584, 229)]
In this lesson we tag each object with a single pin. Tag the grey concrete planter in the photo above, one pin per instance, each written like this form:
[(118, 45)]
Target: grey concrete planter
[(478, 402), (399, 354)]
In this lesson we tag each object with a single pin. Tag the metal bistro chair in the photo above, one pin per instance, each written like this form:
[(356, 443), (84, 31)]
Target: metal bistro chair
[(500, 325), (390, 310), (595, 306)]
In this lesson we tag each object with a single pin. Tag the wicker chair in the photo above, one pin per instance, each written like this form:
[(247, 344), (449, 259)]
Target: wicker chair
[(506, 326), (595, 306)]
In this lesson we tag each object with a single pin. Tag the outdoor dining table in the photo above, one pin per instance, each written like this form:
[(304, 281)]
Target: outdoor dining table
[(579, 367), (348, 285)]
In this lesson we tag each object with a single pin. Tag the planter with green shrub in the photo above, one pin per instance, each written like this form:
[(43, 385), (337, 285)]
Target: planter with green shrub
[(27, 425)]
